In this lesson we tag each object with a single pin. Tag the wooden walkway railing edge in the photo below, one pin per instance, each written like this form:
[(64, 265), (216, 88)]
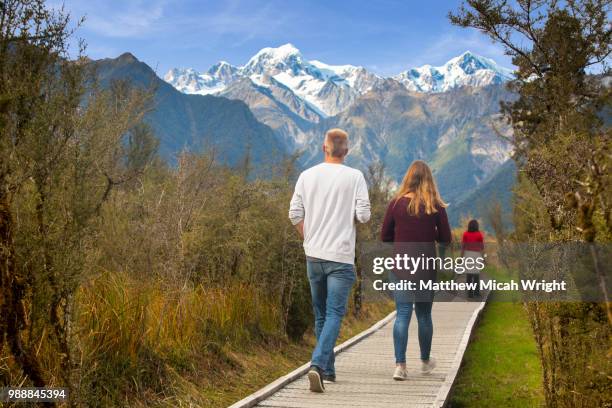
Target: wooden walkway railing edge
[(447, 386), (263, 393)]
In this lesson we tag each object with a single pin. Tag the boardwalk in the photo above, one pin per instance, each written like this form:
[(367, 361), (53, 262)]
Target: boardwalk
[(365, 365)]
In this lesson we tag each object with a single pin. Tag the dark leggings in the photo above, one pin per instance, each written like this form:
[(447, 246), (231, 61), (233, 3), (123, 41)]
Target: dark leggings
[(473, 278)]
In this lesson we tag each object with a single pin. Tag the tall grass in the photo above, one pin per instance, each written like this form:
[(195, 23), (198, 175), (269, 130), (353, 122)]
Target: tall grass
[(144, 332)]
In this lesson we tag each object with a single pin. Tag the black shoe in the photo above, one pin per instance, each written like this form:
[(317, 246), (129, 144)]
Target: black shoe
[(329, 377), (315, 378)]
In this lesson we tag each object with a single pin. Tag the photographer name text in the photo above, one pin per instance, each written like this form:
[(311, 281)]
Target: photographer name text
[(493, 285)]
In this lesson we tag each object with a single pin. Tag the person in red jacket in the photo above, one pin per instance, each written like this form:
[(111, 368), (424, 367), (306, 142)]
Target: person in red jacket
[(472, 246)]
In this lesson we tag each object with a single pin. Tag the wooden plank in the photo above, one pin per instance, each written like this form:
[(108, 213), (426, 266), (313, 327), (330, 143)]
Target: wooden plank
[(365, 367), (271, 388)]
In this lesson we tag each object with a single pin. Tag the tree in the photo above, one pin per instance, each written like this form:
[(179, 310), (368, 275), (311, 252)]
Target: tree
[(559, 138), (142, 145), (61, 148), (562, 149)]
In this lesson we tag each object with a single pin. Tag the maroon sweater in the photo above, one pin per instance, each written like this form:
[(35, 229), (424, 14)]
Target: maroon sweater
[(415, 235), (399, 226)]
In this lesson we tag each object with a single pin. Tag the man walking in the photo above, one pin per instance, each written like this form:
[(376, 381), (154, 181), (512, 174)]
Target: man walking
[(328, 200)]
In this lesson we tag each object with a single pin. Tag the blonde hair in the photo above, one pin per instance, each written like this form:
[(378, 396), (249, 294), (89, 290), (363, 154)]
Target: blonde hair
[(419, 181), (336, 142)]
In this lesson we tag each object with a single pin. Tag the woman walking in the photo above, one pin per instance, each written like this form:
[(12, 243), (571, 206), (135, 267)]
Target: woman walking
[(415, 220)]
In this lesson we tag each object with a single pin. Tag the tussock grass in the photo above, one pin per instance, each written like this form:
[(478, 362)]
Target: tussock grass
[(142, 343), (151, 335)]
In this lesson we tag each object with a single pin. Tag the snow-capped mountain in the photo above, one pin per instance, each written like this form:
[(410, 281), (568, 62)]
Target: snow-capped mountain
[(224, 72), (329, 89), (467, 69), (189, 81), (275, 105), (215, 80)]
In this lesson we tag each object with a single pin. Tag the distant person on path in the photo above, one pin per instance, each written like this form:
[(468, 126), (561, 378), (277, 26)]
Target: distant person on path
[(415, 220), (328, 200), (472, 246)]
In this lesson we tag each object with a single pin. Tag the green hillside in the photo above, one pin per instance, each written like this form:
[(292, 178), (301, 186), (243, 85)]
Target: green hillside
[(497, 188)]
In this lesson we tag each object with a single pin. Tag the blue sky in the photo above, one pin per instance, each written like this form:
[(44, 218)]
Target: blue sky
[(385, 36)]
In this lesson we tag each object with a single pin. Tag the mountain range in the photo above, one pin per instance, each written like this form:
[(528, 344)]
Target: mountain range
[(280, 102), (330, 89), (195, 122), (465, 70), (327, 89), (447, 115)]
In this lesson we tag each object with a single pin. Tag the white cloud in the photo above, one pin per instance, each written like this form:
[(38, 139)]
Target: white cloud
[(238, 22), (126, 19)]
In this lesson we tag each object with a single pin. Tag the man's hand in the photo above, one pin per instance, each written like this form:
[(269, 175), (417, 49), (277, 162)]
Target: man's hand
[(300, 228)]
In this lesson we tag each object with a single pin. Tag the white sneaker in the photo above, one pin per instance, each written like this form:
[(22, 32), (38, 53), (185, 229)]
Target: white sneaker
[(428, 366), (400, 374), (315, 379)]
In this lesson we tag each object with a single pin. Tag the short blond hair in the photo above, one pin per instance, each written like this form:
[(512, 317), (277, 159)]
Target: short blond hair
[(336, 141)]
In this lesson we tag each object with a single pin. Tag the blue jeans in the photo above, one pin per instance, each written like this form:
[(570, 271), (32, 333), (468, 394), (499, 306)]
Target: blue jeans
[(405, 300), (400, 328), (330, 286)]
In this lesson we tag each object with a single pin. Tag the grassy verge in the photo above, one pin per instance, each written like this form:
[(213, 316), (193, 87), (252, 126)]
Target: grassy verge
[(501, 366)]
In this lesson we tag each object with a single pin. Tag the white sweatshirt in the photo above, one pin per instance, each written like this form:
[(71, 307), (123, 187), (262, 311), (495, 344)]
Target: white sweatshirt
[(329, 198)]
